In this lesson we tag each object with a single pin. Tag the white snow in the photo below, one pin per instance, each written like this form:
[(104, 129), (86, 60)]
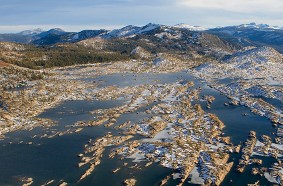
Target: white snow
[(269, 177), (149, 27), (176, 176), (137, 156), (280, 147), (164, 134), (196, 179), (189, 27), (259, 144)]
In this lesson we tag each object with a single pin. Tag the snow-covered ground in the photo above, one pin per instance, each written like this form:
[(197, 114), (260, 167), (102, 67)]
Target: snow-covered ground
[(254, 72)]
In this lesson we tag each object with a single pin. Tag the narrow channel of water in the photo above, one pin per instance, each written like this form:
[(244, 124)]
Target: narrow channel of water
[(238, 127)]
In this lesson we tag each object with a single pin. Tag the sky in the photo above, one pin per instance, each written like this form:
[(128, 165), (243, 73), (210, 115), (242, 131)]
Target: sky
[(76, 15)]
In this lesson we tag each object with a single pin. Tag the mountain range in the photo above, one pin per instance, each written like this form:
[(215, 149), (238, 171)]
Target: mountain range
[(252, 35), (242, 35)]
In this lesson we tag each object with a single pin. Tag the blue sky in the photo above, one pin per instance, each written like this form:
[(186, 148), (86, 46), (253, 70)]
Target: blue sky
[(75, 15)]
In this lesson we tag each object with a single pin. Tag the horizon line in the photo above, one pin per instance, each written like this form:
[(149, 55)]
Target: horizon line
[(14, 29)]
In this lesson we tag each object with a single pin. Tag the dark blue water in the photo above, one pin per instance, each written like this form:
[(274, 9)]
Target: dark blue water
[(238, 127), (275, 102), (56, 158)]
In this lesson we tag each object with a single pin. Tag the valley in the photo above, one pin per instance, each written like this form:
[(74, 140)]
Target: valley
[(151, 105)]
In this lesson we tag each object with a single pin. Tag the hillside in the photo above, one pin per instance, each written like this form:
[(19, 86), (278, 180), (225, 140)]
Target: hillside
[(57, 47), (160, 38), (235, 36), (252, 34), (261, 62), (258, 55), (60, 48), (14, 77), (37, 57)]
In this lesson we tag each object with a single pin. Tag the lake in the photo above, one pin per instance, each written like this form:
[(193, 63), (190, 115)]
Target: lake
[(56, 158)]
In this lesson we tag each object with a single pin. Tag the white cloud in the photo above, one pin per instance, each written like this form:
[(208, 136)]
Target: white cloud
[(244, 6), (73, 15)]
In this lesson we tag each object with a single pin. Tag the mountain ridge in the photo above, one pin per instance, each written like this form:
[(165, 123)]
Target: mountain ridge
[(243, 35), (252, 35)]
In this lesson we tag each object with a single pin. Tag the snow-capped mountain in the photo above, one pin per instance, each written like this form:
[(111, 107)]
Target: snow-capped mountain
[(129, 30), (251, 26), (31, 32), (149, 27), (54, 36), (189, 27), (252, 34), (54, 31), (258, 26), (85, 34), (241, 36), (125, 31), (153, 38), (244, 29)]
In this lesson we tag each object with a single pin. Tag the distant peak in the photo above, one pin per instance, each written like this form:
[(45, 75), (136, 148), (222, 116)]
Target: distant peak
[(253, 24), (258, 26), (152, 24), (189, 27), (149, 27), (38, 30), (31, 32), (128, 27), (57, 29)]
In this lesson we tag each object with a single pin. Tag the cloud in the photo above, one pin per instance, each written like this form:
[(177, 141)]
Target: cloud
[(246, 6), (111, 13)]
